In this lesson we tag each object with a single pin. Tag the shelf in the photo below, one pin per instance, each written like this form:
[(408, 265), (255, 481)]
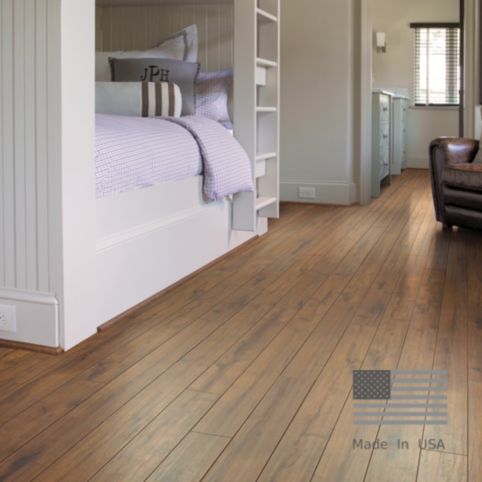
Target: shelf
[(266, 110), (264, 202), (266, 156), (265, 63), (261, 160), (265, 16), (260, 169), (261, 77)]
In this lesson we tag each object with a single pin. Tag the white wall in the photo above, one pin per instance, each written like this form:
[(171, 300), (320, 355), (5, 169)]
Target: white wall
[(77, 298), (47, 209), (394, 69), (317, 72)]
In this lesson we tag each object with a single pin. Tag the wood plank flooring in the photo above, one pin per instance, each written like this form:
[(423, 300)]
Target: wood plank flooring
[(244, 372)]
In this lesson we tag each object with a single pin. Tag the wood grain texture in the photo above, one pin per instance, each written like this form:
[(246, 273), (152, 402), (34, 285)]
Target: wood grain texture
[(474, 326), (243, 372), (442, 467), (190, 460)]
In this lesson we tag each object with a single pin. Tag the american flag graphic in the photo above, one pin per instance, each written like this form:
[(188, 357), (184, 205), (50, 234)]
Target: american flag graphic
[(400, 397)]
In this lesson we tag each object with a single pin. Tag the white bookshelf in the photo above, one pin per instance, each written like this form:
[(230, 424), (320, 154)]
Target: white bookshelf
[(256, 111)]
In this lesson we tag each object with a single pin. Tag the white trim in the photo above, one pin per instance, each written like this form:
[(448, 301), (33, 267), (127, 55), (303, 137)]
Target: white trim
[(34, 297), (117, 239), (365, 188), (327, 192), (354, 193), (418, 162), (37, 317), (471, 66)]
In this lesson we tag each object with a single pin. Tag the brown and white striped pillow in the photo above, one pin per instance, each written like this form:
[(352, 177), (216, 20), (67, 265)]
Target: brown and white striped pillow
[(139, 99), (161, 99)]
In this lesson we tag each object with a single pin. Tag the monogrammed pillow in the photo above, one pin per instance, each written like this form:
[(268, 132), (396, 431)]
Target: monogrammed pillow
[(183, 74)]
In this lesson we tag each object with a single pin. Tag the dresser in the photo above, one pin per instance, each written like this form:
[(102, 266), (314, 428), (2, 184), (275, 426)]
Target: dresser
[(382, 129), (400, 106)]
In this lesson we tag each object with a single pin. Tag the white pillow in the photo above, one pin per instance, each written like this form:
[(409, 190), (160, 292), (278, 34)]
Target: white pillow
[(192, 43), (182, 45), (138, 99)]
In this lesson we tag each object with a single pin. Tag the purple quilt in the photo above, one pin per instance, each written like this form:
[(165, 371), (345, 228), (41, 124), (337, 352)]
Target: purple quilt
[(136, 152)]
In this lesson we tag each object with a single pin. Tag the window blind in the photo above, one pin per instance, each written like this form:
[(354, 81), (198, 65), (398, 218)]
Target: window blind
[(437, 64)]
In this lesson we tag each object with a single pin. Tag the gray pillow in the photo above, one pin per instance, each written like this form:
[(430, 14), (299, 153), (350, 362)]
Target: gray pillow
[(184, 74)]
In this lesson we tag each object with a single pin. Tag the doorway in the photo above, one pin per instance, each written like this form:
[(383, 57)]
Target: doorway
[(393, 68)]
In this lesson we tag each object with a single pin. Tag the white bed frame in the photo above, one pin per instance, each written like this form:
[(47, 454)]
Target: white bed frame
[(151, 238)]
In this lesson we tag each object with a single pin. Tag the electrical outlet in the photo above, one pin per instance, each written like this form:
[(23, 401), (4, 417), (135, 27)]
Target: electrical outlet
[(307, 193), (8, 318)]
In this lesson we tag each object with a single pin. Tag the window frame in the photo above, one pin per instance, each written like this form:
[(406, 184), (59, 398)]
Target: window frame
[(432, 25)]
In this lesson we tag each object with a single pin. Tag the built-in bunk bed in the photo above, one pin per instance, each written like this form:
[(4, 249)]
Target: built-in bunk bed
[(187, 139)]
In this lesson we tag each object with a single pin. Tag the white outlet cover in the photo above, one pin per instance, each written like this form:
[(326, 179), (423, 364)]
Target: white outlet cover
[(8, 318), (307, 193)]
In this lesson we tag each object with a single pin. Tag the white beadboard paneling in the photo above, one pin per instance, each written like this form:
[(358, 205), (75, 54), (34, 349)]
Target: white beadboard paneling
[(3, 164), (20, 93), (98, 31), (54, 152), (30, 139), (7, 146), (42, 118), (142, 27), (25, 115)]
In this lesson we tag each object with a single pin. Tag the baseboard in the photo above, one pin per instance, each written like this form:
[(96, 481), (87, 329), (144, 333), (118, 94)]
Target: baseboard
[(420, 162), (16, 345), (334, 193), (36, 318)]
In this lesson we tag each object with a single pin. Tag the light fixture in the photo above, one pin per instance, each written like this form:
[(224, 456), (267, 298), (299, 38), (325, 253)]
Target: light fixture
[(381, 38)]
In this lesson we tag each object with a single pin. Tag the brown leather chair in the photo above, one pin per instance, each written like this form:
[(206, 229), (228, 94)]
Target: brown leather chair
[(456, 182)]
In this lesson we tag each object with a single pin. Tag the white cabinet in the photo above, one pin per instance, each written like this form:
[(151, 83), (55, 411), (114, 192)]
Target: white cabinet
[(382, 140), (400, 111)]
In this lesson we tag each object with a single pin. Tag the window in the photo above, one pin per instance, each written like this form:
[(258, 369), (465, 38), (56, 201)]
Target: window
[(437, 64)]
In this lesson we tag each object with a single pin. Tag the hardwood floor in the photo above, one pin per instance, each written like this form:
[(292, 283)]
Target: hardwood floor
[(244, 372)]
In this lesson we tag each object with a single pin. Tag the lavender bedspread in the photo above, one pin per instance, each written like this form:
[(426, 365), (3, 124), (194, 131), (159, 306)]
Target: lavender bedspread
[(135, 152)]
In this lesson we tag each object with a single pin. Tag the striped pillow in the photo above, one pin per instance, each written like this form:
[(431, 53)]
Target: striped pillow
[(138, 99)]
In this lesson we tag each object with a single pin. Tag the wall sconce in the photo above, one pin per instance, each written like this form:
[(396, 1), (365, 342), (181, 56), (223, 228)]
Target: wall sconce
[(381, 38)]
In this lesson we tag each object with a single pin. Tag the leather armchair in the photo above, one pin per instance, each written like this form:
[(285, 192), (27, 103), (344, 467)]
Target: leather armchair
[(456, 182)]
